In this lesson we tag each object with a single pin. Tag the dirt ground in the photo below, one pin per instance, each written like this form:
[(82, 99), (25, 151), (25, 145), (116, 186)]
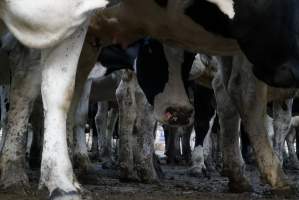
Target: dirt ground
[(176, 185)]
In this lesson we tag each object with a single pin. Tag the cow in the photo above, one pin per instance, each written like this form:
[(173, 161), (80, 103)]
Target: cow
[(68, 38), (64, 35), (233, 103), (243, 24)]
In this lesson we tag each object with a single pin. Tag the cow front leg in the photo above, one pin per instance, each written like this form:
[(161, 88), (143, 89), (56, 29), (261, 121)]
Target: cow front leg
[(229, 120), (24, 90), (60, 64)]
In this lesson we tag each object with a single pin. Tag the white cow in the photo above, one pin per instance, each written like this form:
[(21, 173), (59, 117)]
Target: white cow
[(58, 28)]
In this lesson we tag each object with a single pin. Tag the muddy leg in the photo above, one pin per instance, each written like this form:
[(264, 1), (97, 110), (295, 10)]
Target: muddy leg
[(229, 120), (24, 89), (282, 114), (76, 122), (127, 116), (60, 64), (81, 159), (144, 133), (112, 120), (254, 116), (101, 124)]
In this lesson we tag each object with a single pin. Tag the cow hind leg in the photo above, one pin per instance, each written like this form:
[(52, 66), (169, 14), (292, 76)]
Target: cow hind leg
[(81, 158), (229, 120), (127, 117), (144, 134), (101, 125), (254, 116), (60, 64), (24, 90)]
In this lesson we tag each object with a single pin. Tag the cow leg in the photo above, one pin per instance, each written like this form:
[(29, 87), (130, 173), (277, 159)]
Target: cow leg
[(87, 61), (4, 111), (101, 124), (112, 120), (282, 114), (94, 144), (127, 116), (58, 78), (37, 120), (290, 139), (246, 147), (144, 134), (24, 89), (186, 148), (229, 120), (253, 114), (81, 159), (204, 111), (173, 152)]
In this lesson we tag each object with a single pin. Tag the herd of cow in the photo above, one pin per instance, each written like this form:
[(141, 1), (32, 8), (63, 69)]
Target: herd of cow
[(137, 56)]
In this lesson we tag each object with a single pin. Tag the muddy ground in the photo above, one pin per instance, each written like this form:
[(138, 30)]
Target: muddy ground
[(175, 186)]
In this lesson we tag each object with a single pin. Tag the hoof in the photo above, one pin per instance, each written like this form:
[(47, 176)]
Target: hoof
[(59, 194), (239, 186)]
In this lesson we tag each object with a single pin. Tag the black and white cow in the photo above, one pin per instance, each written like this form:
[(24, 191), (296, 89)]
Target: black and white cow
[(251, 24)]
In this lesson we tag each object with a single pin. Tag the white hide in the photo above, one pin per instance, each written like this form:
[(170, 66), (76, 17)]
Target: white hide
[(295, 121), (97, 71), (198, 161), (174, 94), (58, 78), (201, 153), (269, 127), (226, 6), (45, 23)]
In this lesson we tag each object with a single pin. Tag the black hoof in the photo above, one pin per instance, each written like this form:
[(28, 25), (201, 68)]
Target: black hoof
[(59, 194)]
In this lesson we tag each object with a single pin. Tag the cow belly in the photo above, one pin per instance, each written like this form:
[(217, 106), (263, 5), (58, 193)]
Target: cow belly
[(44, 23)]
